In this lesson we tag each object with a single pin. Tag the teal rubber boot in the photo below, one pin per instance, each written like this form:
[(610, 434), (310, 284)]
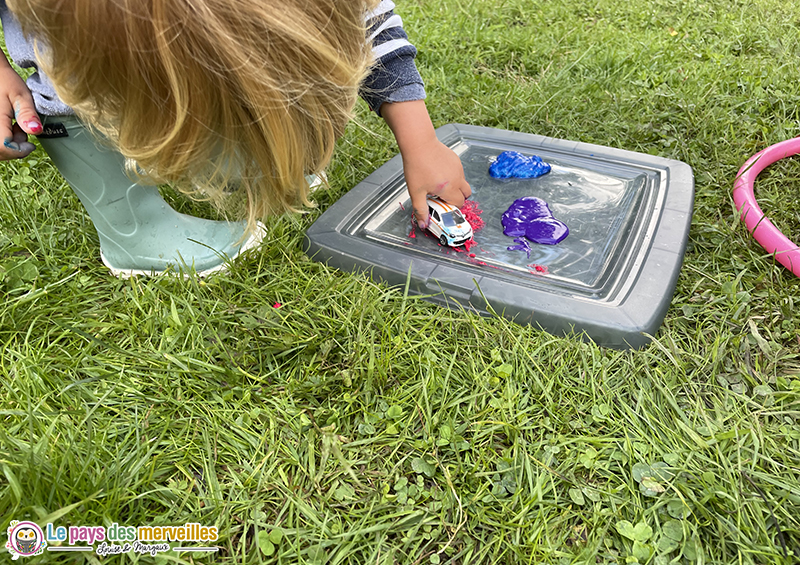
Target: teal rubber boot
[(140, 234)]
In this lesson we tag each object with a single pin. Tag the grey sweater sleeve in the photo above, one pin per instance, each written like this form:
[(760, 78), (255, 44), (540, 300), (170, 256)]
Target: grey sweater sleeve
[(394, 76), (20, 48)]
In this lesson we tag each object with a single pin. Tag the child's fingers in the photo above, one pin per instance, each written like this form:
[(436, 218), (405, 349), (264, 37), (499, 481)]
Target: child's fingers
[(16, 104), (25, 114), (465, 189), (15, 137), (419, 200), (452, 193), (15, 142), (455, 194)]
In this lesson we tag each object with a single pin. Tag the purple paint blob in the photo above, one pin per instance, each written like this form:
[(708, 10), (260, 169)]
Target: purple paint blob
[(522, 245), (510, 164), (531, 216)]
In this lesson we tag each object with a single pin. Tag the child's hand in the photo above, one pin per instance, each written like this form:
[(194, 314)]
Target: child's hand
[(430, 167), (16, 103), (434, 169)]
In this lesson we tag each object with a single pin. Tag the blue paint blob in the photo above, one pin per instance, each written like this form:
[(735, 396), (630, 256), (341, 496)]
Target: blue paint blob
[(531, 216), (510, 164)]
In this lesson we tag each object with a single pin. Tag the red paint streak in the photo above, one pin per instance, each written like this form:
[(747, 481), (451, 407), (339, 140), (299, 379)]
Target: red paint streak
[(403, 208), (484, 264), (413, 232), (490, 266), (427, 233), (472, 213), (469, 243), (535, 269)]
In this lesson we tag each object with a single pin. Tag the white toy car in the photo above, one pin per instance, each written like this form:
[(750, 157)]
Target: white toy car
[(447, 223)]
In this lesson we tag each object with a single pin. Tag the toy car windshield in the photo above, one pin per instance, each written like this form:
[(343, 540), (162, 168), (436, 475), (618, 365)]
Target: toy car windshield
[(451, 219)]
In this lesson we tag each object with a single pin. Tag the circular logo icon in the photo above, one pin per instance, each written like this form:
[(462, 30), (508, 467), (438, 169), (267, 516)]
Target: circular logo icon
[(26, 538)]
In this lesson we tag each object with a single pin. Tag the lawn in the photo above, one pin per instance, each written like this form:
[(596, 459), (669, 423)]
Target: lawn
[(319, 417)]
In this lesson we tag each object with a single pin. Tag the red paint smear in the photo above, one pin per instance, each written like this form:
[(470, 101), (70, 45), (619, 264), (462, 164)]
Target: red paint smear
[(413, 233), (538, 269), (458, 250), (473, 215), (403, 208), (472, 255), (469, 243), (483, 264)]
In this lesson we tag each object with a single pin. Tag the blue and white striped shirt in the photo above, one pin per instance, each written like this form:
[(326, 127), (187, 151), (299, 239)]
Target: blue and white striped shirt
[(394, 76)]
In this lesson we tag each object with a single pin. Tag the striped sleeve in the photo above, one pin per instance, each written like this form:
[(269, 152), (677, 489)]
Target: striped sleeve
[(394, 76)]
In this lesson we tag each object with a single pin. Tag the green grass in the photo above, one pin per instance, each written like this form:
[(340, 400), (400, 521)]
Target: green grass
[(358, 425)]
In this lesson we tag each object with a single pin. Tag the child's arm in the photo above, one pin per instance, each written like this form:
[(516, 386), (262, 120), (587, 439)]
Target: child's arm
[(394, 89), (430, 167), (16, 103)]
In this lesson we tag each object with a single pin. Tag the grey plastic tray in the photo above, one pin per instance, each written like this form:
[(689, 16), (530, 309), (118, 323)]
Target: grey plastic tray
[(610, 280)]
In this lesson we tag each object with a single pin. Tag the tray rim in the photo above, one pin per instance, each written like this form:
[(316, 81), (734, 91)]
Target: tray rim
[(628, 323)]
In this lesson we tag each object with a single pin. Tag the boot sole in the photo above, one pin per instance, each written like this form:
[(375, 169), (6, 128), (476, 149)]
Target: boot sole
[(252, 242)]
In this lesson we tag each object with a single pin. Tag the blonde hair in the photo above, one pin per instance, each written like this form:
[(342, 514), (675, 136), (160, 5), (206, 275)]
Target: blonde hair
[(204, 94)]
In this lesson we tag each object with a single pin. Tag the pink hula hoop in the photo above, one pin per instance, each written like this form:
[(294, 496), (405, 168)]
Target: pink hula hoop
[(765, 233)]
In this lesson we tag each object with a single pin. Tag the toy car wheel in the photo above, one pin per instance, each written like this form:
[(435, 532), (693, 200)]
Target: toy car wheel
[(443, 240)]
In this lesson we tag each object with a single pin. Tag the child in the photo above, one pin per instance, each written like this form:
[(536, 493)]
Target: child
[(206, 94)]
